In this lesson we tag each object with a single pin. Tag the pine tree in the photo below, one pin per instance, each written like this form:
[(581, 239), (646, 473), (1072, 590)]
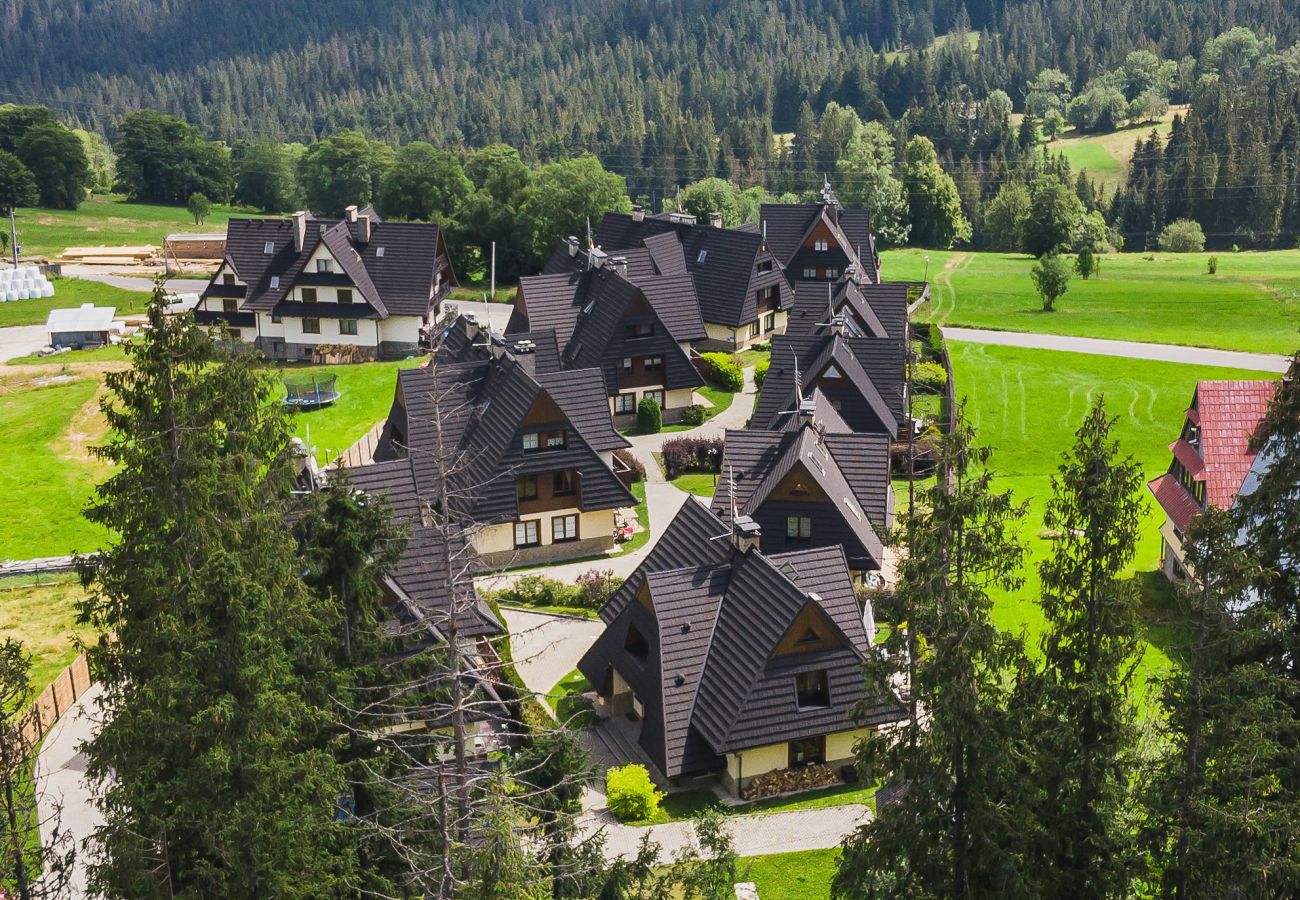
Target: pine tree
[(211, 775), (1080, 731), (951, 829)]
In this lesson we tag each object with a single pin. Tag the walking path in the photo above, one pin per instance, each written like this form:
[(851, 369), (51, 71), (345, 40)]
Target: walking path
[(21, 340), (546, 648), (63, 793), (1201, 356), (756, 834)]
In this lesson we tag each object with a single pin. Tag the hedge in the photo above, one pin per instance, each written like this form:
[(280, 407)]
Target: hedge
[(631, 794), (760, 371), (724, 371)]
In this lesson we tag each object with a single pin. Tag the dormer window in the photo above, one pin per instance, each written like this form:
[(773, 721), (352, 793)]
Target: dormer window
[(820, 246), (324, 265), (765, 266), (641, 330), (1194, 436), (812, 689)]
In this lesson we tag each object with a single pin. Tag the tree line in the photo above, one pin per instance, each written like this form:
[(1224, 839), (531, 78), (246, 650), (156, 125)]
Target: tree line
[(1023, 769)]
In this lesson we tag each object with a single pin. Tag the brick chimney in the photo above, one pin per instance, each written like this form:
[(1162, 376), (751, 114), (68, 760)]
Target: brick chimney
[(299, 231), (573, 245), (638, 212), (715, 219), (620, 265), (351, 213), (363, 229)]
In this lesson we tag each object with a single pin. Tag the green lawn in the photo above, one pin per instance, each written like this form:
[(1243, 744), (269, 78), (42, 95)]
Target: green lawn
[(72, 292), (111, 353), (42, 614), (824, 798), (1026, 406), (701, 484), (566, 700), (805, 875), (1252, 304), (720, 400), (110, 221), (639, 538), (48, 475), (367, 395)]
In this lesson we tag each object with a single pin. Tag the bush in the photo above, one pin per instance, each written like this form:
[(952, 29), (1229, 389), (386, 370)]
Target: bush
[(536, 590), (760, 371), (724, 371), (1052, 279), (694, 415), (596, 587), (631, 794), (929, 375), (692, 454), (627, 458), (1212, 266), (649, 417), (1182, 236)]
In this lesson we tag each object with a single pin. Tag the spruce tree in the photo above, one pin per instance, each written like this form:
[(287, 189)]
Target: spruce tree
[(211, 775), (1219, 823), (1081, 735), (950, 830)]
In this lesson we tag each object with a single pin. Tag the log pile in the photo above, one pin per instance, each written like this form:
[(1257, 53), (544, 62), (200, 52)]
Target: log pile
[(111, 256), (786, 781)]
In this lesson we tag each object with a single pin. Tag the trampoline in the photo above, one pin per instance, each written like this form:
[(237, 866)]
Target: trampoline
[(309, 391)]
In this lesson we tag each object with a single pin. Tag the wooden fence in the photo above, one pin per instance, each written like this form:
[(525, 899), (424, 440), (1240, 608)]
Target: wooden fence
[(56, 700), (362, 452)]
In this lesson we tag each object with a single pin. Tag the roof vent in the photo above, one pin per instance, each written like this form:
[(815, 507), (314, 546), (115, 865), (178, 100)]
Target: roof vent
[(597, 257), (745, 533), (620, 265), (351, 213), (686, 628), (525, 346), (679, 680), (299, 230), (573, 245), (638, 212)]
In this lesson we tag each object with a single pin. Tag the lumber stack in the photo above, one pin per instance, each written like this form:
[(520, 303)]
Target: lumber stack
[(111, 256)]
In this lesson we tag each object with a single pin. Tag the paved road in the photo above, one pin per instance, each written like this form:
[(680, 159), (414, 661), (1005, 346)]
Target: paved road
[(21, 340), (141, 282), (61, 781), (1129, 349), (547, 648)]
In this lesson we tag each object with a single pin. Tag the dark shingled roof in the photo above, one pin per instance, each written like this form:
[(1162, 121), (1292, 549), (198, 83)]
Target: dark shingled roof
[(870, 389), (418, 583), (483, 407), (722, 262), (852, 470), (463, 342), (712, 681), (588, 311), (870, 310), (400, 281), (789, 224)]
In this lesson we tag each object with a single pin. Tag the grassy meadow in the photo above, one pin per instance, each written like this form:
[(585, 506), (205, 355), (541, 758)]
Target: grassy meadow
[(1251, 304), (70, 292), (1106, 157), (109, 220), (1026, 406), (42, 614)]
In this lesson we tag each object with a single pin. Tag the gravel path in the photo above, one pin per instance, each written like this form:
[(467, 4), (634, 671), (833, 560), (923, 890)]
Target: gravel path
[(546, 648), (1200, 356)]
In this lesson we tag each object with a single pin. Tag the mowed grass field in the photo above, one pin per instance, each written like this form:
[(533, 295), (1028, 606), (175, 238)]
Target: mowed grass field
[(1251, 304), (1026, 406), (72, 292), (110, 221), (50, 417), (1106, 157)]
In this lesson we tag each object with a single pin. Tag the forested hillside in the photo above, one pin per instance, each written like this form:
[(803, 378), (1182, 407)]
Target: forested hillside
[(546, 74)]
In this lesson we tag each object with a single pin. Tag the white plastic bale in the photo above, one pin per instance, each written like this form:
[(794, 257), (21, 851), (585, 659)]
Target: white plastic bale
[(47, 290)]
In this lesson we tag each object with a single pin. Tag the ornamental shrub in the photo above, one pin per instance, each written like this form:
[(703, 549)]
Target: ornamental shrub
[(535, 590), (649, 417), (760, 371), (724, 371), (930, 375), (631, 794), (596, 587), (694, 415), (692, 454)]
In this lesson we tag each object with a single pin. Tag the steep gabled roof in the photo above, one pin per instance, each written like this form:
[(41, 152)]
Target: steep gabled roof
[(852, 470), (1230, 414), (722, 262), (873, 366), (694, 537), (876, 310), (464, 342), (789, 224), (580, 393), (826, 415), (395, 270)]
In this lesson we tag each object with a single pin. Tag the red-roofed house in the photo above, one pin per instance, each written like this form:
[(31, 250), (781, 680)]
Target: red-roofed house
[(1211, 458)]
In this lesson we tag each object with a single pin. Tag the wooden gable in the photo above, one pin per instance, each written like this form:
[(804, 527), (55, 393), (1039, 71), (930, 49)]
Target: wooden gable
[(544, 411), (798, 486), (810, 631)]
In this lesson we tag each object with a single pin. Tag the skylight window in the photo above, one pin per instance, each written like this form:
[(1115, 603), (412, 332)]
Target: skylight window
[(379, 251), (275, 282), (703, 254), (268, 247)]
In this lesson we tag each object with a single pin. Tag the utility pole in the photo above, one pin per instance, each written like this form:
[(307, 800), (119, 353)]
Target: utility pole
[(494, 272), (13, 237)]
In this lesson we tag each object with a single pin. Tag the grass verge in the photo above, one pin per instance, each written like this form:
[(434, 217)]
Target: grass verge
[(73, 292)]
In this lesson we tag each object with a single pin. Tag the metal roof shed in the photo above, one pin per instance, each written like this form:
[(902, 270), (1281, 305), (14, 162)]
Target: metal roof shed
[(86, 324)]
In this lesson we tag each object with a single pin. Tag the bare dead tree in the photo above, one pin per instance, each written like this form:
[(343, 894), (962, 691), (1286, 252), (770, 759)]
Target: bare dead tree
[(36, 862)]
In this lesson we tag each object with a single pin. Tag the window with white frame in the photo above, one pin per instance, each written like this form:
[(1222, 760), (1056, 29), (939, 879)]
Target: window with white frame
[(625, 403), (527, 534), (564, 528), (809, 272), (820, 246)]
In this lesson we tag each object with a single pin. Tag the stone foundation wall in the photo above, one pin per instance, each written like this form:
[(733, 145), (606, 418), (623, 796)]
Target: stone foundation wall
[(290, 350), (670, 417), (529, 556)]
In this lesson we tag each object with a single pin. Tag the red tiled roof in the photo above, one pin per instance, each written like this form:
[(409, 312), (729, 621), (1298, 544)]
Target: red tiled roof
[(1186, 454), (1230, 413), (1174, 500)]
